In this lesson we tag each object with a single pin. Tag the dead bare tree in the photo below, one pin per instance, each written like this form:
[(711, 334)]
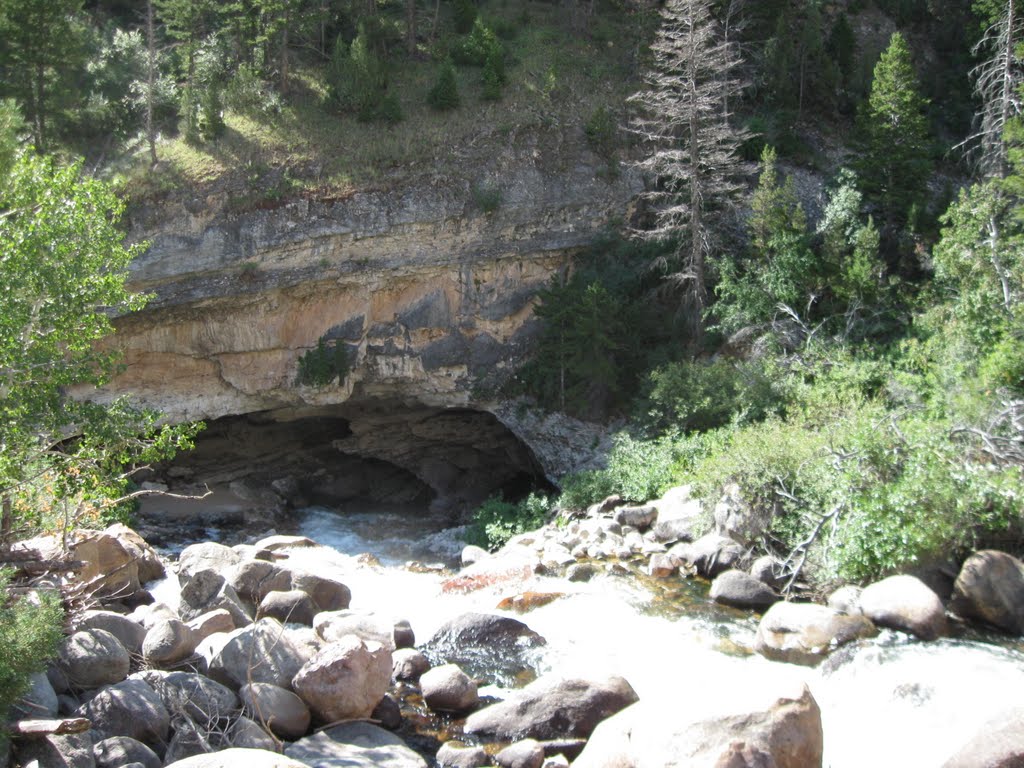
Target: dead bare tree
[(691, 164)]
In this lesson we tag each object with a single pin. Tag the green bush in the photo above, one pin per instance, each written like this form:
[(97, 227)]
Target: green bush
[(29, 634), (444, 95), (493, 77), (602, 132), (246, 92), (638, 470), (487, 198), (324, 364), (357, 80), (478, 46), (497, 520)]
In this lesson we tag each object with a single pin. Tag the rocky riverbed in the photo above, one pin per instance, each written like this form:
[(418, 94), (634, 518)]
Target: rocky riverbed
[(588, 642)]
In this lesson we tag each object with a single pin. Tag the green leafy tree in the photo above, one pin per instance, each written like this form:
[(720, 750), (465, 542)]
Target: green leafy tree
[(63, 267), (894, 164)]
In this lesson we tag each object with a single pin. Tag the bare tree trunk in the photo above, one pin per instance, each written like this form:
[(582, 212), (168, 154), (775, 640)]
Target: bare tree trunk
[(38, 108), (150, 81), (1009, 86), (410, 26), (6, 519), (284, 50), (437, 19)]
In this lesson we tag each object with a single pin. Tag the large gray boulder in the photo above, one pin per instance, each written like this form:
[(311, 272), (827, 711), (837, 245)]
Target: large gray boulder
[(168, 642), (93, 657), (234, 758), (750, 728), (119, 751), (990, 588), (710, 555), (679, 516), (487, 646), (246, 733), (130, 708), (260, 653), (408, 664), (455, 755), (207, 591), (71, 751), (334, 625), (998, 744), (345, 679), (206, 556), (253, 580), (128, 632), (805, 633), (741, 590), (38, 702), (904, 602), (527, 753), (448, 689), (292, 606), (328, 594), (553, 708), (284, 713), (354, 745), (195, 696)]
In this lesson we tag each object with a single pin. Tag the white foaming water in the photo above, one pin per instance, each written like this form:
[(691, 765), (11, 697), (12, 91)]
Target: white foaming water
[(889, 702)]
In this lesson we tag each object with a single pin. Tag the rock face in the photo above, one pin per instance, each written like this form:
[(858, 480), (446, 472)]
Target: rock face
[(803, 633), (780, 731), (553, 708), (990, 588)]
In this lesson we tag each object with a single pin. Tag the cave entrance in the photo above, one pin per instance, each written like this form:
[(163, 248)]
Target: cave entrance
[(265, 470)]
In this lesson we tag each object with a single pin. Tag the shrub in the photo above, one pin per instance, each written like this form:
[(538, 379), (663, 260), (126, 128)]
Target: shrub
[(493, 77), (29, 633), (323, 364), (444, 95), (480, 44), (246, 92), (487, 198), (356, 77), (602, 132), (637, 470), (496, 521)]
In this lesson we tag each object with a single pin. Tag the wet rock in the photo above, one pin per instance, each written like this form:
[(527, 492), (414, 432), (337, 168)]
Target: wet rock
[(527, 601), (73, 751), (119, 751), (904, 602), (293, 606), (277, 542), (334, 625), (452, 754), (207, 591), (640, 518), (284, 713), (206, 556), (804, 633), (345, 680), (998, 744), (846, 600), (211, 622), (91, 658), (260, 653), (448, 689), (551, 708), (485, 645), (388, 713), (253, 580), (748, 729), (233, 758), (327, 594), (355, 745), (990, 588), (581, 572), (167, 643), (710, 555), (511, 566), (402, 634), (39, 702), (128, 632), (408, 664), (193, 695), (741, 590), (527, 753), (130, 708)]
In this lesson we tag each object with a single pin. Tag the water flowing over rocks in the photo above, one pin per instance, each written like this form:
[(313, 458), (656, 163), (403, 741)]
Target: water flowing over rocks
[(804, 633)]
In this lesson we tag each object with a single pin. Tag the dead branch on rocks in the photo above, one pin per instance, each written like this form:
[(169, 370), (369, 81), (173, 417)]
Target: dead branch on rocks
[(37, 729)]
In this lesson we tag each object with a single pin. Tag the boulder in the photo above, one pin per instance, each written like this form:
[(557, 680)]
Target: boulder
[(452, 754), (472, 553), (72, 751), (766, 569), (293, 606), (354, 745), (327, 594), (511, 566), (187, 741), (487, 646), (553, 708), (278, 541), (678, 516), (260, 653), (408, 664), (710, 555), (206, 556), (148, 615), (388, 713), (750, 728), (91, 658), (738, 520), (846, 600), (990, 588), (527, 601), (211, 622), (904, 602), (198, 697), (253, 580), (207, 591), (581, 572), (38, 702), (522, 754), (640, 518), (119, 751), (998, 744), (247, 734), (402, 635), (128, 632), (334, 625), (662, 565), (150, 566), (168, 642), (111, 569), (280, 710), (233, 758), (345, 680), (804, 633), (741, 590), (448, 689), (130, 708)]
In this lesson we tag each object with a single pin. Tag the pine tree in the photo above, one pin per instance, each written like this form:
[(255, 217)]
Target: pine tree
[(445, 93), (692, 163), (894, 164)]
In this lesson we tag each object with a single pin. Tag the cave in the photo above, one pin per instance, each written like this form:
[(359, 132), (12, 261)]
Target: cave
[(254, 471)]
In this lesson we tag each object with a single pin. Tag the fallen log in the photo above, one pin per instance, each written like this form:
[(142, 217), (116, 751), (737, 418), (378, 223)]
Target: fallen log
[(36, 729)]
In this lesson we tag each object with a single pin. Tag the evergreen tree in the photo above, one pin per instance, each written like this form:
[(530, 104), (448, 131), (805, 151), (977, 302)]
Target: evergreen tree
[(444, 94), (188, 22), (692, 162), (894, 164)]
